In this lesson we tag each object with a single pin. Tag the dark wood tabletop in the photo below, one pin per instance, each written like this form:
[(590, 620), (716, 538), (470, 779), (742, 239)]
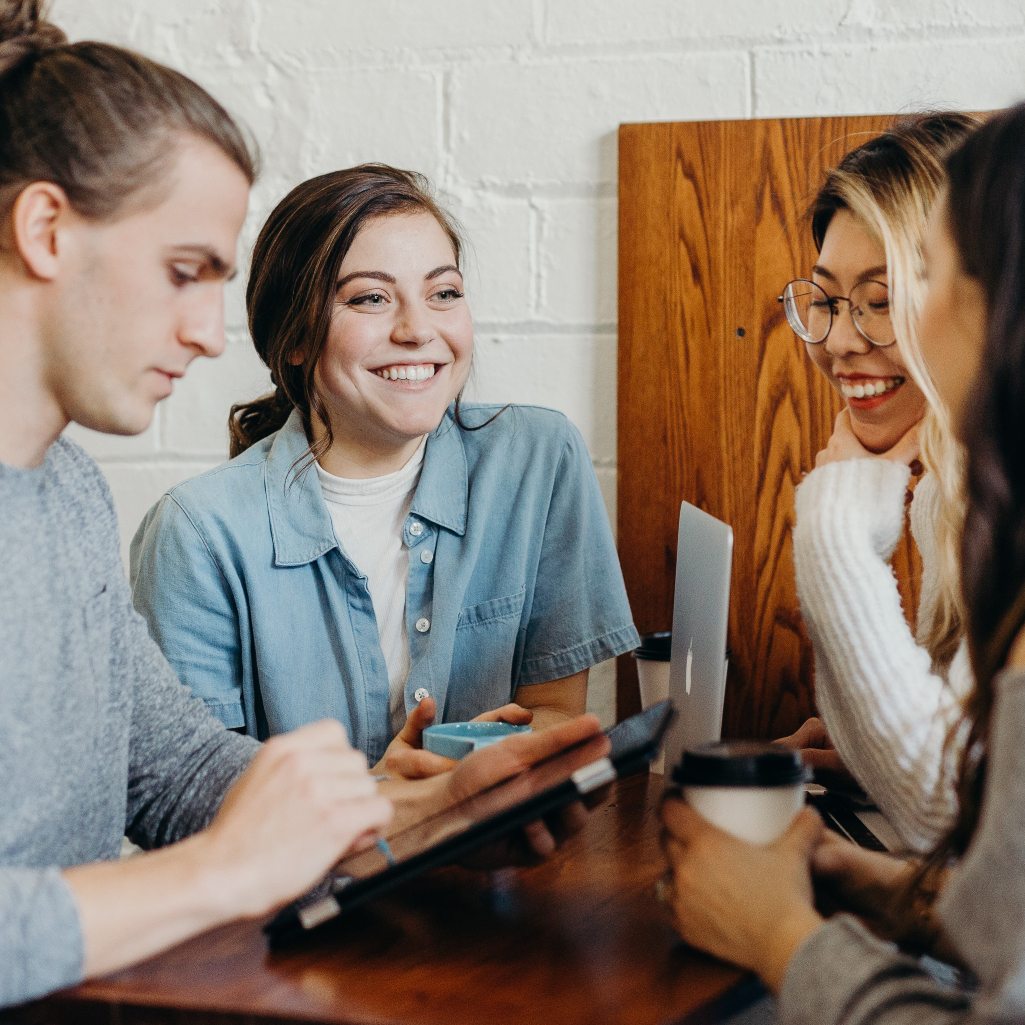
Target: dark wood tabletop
[(579, 939)]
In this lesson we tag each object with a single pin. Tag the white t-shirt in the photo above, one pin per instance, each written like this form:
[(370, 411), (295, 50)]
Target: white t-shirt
[(368, 517)]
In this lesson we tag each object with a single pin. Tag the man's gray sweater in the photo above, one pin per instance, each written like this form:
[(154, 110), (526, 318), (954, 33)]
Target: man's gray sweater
[(97, 736)]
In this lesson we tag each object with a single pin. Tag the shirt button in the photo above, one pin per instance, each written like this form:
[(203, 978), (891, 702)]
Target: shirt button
[(420, 693), (423, 625), (416, 529), (427, 556)]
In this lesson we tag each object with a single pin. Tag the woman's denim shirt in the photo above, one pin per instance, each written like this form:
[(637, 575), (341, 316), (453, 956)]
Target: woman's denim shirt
[(513, 580)]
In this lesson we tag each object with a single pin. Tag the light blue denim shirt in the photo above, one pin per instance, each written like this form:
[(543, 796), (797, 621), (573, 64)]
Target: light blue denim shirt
[(260, 611)]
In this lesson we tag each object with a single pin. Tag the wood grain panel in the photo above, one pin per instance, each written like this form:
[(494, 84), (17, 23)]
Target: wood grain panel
[(718, 403)]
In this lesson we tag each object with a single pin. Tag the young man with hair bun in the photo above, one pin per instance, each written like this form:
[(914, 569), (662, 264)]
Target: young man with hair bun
[(123, 188)]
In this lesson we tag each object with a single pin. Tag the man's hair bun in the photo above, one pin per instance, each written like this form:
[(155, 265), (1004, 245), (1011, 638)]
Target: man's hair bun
[(25, 33), (97, 120)]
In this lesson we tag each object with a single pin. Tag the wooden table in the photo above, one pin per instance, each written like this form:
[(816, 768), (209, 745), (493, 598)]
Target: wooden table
[(579, 939)]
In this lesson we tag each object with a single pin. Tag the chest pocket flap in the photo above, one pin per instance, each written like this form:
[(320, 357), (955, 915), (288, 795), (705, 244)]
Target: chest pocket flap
[(492, 610)]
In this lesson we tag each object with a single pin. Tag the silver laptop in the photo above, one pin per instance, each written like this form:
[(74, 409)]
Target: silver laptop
[(701, 610)]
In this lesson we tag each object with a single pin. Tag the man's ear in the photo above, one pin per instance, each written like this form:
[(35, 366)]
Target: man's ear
[(38, 211)]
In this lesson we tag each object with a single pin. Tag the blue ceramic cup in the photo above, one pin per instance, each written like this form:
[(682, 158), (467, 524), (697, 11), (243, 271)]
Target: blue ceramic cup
[(457, 739)]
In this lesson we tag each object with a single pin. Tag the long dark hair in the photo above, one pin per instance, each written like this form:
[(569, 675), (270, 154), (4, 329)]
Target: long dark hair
[(292, 288), (97, 120), (986, 218)]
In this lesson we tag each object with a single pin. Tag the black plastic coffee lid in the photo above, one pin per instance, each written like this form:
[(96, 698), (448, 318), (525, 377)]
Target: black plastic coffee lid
[(741, 763), (655, 647)]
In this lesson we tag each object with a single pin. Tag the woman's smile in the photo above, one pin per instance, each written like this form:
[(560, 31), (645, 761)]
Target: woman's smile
[(865, 392), (408, 373), (399, 345), (884, 401)]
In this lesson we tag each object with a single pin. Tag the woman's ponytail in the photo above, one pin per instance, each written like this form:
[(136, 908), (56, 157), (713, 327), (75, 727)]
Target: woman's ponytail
[(250, 422)]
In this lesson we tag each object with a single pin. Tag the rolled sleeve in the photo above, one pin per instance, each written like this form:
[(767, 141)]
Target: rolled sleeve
[(580, 614)]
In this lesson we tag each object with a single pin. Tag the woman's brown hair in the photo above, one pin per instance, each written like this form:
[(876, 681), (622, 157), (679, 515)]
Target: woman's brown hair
[(100, 121), (293, 282), (985, 211), (986, 217)]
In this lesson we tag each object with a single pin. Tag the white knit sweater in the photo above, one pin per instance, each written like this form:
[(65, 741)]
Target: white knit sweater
[(887, 712)]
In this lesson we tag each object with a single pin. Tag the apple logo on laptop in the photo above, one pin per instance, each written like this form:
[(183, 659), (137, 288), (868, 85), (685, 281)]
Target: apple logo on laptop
[(690, 662)]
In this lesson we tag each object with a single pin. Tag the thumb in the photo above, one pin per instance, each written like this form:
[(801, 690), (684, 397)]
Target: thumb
[(682, 822), (832, 857), (804, 834), (811, 733), (417, 721), (907, 449)]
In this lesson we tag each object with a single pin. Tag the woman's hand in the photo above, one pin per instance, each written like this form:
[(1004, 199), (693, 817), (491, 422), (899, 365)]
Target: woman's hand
[(868, 884), (416, 800), (498, 762), (405, 755), (744, 903), (816, 748), (876, 888), (844, 444)]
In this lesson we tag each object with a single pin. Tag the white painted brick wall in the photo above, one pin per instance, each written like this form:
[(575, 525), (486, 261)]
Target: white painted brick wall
[(511, 108)]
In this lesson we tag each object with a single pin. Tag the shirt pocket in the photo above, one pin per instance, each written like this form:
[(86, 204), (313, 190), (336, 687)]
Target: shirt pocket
[(492, 611), (484, 656)]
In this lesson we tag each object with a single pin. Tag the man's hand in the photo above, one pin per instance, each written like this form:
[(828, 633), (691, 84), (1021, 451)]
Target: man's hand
[(305, 800), (816, 748), (405, 756), (745, 903), (844, 444)]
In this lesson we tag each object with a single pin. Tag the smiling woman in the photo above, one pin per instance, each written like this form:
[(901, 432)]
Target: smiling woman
[(755, 906), (845, 322), (888, 697), (377, 551)]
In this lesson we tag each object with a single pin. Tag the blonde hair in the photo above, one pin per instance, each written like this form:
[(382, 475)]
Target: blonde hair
[(889, 184)]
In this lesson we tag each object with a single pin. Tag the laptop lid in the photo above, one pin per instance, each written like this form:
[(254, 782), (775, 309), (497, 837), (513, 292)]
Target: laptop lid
[(701, 608)]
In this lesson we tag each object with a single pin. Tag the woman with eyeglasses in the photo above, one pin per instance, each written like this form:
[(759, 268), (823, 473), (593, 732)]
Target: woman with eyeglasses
[(754, 905), (887, 697)]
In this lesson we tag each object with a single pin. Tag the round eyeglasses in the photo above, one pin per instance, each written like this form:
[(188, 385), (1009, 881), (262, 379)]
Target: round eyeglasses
[(810, 311)]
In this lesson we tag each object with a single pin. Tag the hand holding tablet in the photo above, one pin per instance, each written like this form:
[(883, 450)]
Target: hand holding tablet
[(485, 808)]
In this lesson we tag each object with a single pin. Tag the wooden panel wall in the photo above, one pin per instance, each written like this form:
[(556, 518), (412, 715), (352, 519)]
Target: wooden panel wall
[(718, 403)]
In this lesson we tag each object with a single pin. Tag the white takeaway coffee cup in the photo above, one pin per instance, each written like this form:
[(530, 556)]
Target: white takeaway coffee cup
[(752, 790), (653, 658)]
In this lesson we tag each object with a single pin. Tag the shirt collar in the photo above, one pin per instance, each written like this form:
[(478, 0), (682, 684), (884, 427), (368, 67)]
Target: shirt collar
[(443, 491), (300, 522)]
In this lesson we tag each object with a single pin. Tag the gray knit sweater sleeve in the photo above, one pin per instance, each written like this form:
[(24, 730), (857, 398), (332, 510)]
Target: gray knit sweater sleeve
[(181, 759), (844, 975), (97, 736)]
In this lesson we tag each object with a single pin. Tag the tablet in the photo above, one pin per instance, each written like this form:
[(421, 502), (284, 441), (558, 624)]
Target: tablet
[(544, 788)]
